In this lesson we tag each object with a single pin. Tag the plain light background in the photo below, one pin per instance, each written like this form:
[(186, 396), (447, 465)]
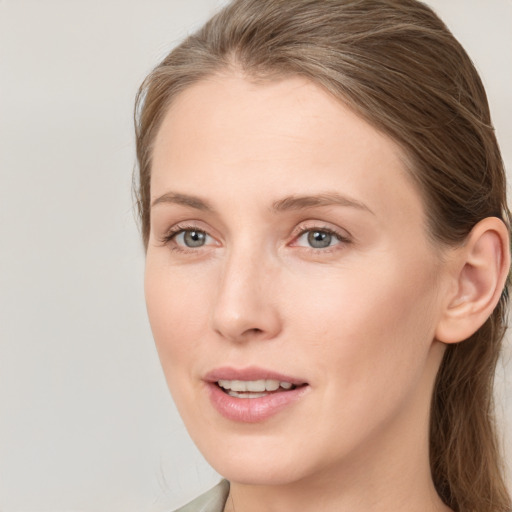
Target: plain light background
[(86, 422)]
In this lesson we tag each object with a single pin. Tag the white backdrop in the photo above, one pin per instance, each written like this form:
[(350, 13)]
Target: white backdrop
[(86, 423)]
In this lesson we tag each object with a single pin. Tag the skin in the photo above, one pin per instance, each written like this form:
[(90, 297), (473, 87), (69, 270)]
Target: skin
[(356, 320)]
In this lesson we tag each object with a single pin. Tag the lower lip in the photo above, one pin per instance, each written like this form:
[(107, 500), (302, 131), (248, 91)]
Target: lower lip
[(252, 410)]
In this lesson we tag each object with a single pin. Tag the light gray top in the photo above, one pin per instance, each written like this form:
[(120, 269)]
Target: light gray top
[(211, 501)]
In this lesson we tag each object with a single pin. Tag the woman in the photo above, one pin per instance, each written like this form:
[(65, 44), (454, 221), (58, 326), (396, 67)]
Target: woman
[(323, 207)]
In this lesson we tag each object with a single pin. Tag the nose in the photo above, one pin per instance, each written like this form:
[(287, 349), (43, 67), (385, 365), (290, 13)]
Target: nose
[(246, 303)]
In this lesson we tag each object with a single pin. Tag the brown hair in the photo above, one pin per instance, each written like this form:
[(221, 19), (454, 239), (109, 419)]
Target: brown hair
[(399, 67)]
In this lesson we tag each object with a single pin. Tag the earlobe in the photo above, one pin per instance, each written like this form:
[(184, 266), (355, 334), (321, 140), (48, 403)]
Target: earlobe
[(481, 267)]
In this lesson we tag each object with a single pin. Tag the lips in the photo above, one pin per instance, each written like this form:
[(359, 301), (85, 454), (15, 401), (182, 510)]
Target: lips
[(253, 394)]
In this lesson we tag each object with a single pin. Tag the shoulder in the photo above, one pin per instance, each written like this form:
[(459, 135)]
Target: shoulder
[(211, 501)]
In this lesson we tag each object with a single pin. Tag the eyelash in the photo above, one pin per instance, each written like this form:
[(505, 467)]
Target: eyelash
[(342, 239), (176, 230)]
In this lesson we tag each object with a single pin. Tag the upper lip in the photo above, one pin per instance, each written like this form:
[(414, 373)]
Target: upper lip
[(250, 373)]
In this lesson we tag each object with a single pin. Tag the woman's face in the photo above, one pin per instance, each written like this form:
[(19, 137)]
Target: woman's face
[(291, 287)]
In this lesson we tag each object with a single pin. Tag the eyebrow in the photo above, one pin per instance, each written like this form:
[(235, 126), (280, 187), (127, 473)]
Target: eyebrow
[(286, 204), (327, 199), (184, 200)]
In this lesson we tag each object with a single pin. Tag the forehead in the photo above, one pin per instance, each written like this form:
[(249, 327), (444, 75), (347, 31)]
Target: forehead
[(230, 134), (231, 108)]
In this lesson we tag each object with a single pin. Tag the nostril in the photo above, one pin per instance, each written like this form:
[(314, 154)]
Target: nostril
[(254, 330)]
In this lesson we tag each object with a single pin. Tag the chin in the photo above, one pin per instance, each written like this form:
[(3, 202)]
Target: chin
[(263, 471), (258, 459)]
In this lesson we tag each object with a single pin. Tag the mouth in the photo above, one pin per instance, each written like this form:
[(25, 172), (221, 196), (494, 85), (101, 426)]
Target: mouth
[(254, 388), (253, 395)]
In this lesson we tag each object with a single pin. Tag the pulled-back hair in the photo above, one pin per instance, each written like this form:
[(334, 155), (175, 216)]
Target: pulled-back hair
[(397, 65)]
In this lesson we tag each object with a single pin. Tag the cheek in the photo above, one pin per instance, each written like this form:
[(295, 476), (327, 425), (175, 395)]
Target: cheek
[(367, 338), (177, 304), (353, 302), (368, 329)]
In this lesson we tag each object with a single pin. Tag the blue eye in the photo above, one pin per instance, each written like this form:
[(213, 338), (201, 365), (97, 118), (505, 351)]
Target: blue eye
[(318, 238)]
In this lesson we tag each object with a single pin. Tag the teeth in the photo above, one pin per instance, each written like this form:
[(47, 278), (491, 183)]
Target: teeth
[(272, 385), (253, 386)]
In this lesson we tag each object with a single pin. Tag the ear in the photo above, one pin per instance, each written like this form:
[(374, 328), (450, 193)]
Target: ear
[(480, 270)]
